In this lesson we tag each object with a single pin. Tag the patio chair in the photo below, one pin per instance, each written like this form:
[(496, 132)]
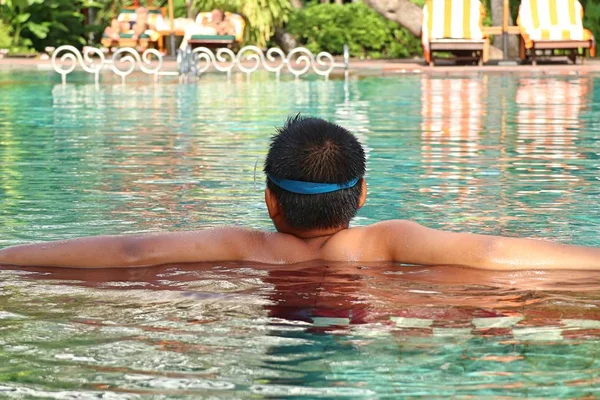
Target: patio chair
[(196, 34), (454, 27), (150, 38), (553, 25)]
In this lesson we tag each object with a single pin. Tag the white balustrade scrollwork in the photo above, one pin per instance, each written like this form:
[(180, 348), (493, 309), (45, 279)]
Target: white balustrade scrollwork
[(271, 53), (326, 60), (66, 58), (133, 59), (249, 59), (299, 61), (203, 59), (255, 55), (72, 55), (225, 61)]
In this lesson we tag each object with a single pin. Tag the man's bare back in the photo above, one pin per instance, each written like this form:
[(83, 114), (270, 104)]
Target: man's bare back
[(315, 186), (392, 241)]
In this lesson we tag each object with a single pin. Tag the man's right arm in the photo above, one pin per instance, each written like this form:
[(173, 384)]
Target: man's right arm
[(220, 244), (412, 243)]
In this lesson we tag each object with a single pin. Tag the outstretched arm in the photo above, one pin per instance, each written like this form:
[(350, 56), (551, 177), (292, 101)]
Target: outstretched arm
[(416, 244), (221, 244)]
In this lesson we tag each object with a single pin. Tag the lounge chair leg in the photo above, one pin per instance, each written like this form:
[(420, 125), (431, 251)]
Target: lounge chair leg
[(480, 60), (522, 49), (533, 59)]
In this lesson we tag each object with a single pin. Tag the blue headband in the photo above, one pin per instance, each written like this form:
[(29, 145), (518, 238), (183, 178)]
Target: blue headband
[(301, 187)]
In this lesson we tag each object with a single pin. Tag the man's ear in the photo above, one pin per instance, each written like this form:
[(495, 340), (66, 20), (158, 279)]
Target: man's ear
[(272, 204), (363, 193)]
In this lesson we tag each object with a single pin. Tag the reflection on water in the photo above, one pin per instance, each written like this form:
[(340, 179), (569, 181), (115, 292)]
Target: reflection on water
[(549, 127), (306, 330), (555, 105), (489, 153), (548, 120), (453, 111)]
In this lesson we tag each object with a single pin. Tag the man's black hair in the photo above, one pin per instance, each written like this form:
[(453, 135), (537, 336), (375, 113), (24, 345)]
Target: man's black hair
[(314, 150)]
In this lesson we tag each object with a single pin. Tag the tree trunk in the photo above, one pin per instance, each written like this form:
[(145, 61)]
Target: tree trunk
[(404, 12), (497, 7), (191, 10), (284, 39)]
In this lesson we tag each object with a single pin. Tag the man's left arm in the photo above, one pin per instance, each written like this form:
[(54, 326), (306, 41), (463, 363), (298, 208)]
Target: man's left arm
[(415, 244), (219, 244)]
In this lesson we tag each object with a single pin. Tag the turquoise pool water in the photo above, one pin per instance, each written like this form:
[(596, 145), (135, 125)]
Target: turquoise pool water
[(500, 154)]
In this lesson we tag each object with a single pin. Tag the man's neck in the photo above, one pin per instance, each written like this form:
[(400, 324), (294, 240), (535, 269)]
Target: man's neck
[(312, 233)]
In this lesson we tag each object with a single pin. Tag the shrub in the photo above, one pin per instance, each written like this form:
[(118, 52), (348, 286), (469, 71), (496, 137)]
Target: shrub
[(38, 23), (591, 19), (327, 27), (5, 36), (56, 23)]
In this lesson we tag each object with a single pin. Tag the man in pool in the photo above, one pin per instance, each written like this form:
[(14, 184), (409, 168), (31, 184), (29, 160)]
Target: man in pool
[(315, 186)]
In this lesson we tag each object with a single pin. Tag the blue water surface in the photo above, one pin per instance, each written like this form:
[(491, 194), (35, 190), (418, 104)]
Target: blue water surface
[(508, 154)]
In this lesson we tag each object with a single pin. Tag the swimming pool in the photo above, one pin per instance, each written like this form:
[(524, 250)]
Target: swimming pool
[(489, 153)]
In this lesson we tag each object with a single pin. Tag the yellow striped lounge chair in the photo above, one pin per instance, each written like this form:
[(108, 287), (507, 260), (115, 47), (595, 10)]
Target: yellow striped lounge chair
[(552, 25), (454, 26)]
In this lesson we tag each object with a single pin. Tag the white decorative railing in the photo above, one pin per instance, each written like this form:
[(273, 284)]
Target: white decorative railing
[(249, 59), (194, 62), (73, 56), (124, 61), (132, 57)]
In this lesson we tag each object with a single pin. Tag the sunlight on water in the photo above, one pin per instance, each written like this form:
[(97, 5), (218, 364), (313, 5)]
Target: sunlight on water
[(501, 154)]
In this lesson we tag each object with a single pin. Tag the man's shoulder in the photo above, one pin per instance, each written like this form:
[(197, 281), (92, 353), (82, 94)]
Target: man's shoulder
[(390, 224), (387, 230), (377, 232)]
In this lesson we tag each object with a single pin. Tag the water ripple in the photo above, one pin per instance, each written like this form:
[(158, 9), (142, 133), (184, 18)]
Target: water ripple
[(513, 155)]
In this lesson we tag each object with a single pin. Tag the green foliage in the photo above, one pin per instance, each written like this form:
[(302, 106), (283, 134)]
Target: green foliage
[(15, 14), (591, 19), (514, 9), (262, 16), (179, 8), (5, 36), (56, 23), (327, 27), (35, 24)]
